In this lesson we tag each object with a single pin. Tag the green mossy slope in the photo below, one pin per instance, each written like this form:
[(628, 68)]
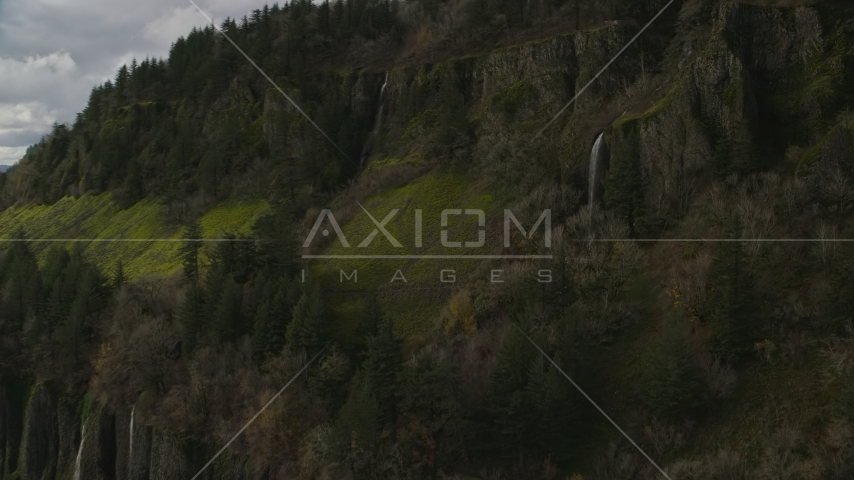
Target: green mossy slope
[(421, 297), (94, 221)]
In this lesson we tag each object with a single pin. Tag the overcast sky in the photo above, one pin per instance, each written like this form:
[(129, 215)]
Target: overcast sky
[(52, 52)]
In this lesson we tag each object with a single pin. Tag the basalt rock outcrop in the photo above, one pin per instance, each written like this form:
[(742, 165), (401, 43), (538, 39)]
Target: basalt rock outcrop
[(735, 88)]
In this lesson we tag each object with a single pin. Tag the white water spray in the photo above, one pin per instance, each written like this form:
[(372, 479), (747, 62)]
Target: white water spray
[(79, 452), (595, 167), (379, 119), (377, 122), (130, 447)]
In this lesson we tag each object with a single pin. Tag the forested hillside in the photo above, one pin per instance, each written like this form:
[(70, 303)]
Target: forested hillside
[(700, 277)]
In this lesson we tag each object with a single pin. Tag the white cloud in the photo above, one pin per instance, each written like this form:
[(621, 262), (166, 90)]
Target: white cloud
[(166, 28), (57, 62), (25, 116), (35, 92), (37, 75), (10, 155)]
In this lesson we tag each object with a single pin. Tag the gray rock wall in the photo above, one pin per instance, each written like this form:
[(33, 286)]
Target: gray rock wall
[(711, 113), (40, 440)]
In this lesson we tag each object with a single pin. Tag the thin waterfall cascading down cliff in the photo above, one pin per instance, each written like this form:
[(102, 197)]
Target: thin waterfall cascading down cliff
[(79, 452), (377, 122), (595, 179), (379, 119), (130, 444)]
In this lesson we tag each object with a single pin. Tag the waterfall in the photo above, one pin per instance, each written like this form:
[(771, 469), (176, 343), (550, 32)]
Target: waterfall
[(130, 445), (379, 119), (377, 122), (595, 167), (79, 452)]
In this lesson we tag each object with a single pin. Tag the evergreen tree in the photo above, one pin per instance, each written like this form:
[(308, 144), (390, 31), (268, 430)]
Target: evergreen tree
[(672, 385), (227, 322), (122, 78), (23, 283), (838, 311), (211, 170), (310, 328), (531, 412), (119, 276), (59, 286), (54, 266), (324, 18), (261, 331), (274, 314), (89, 298), (191, 315), (382, 367), (730, 310), (190, 251), (624, 190), (330, 380), (57, 307), (354, 435), (234, 258), (372, 316), (560, 413), (733, 154), (281, 314), (514, 358), (431, 401), (134, 188), (509, 402)]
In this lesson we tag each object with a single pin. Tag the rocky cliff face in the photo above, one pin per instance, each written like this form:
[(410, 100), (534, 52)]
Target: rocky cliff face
[(710, 121), (48, 442), (139, 462), (11, 423), (472, 105), (40, 441)]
